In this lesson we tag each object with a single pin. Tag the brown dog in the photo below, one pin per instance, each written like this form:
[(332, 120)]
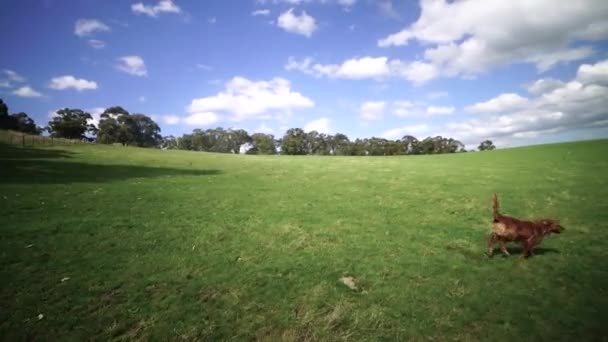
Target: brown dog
[(528, 233)]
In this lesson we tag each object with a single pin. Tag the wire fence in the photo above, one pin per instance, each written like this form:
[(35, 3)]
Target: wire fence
[(23, 139)]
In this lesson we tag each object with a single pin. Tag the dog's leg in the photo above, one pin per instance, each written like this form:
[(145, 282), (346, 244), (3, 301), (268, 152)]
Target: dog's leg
[(503, 248), (491, 242), (533, 242), (525, 248)]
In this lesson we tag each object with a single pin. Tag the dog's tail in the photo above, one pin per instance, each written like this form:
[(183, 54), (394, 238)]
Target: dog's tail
[(495, 207)]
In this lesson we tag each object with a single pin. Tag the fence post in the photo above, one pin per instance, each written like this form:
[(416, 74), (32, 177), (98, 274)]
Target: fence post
[(22, 140), (51, 140)]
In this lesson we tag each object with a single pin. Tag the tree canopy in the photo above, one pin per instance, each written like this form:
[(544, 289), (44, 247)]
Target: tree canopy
[(71, 124), (486, 145), (117, 125), (17, 122)]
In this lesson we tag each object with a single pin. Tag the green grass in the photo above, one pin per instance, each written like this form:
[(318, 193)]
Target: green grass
[(171, 244)]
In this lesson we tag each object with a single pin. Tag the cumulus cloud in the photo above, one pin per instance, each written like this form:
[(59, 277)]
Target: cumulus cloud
[(8, 77), (244, 99), (398, 133), (69, 81), (372, 110), (320, 125), (263, 128), (133, 65), (86, 27), (171, 119), (503, 103), (544, 85), (13, 76), (580, 103), (163, 6), (406, 109), (593, 73), (366, 68), (201, 119), (302, 24), (262, 12), (26, 91), (469, 37), (96, 44)]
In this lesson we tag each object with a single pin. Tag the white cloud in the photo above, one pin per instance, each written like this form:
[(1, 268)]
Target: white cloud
[(26, 91), (544, 85), (263, 128), (245, 99), (366, 68), (163, 6), (303, 24), (372, 110), (593, 73), (439, 110), (142, 99), (86, 27), (408, 109), (354, 68), (201, 119), (262, 12), (96, 114), (133, 65), (398, 133), (343, 3), (96, 44), (69, 81), (212, 20), (347, 3), (503, 103), (469, 37), (320, 125), (387, 9), (171, 119), (13, 76), (416, 72), (568, 106)]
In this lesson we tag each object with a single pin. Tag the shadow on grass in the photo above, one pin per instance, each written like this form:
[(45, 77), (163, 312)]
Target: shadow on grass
[(10, 152), (42, 166), (536, 251)]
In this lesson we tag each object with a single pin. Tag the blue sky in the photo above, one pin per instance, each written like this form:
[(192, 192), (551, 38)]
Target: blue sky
[(517, 72)]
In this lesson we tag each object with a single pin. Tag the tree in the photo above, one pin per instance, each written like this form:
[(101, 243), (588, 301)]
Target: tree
[(71, 124), (3, 108), (140, 130), (340, 145), (410, 144), (486, 145), (24, 123), (111, 126), (237, 138), (294, 142), (117, 125), (262, 144), (169, 143)]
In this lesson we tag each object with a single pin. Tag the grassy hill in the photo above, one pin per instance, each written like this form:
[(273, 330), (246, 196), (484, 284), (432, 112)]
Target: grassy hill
[(108, 242)]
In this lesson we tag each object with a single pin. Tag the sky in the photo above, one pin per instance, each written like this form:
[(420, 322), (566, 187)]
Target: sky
[(517, 72)]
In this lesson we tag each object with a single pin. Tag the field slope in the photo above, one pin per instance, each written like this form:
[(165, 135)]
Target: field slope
[(104, 242)]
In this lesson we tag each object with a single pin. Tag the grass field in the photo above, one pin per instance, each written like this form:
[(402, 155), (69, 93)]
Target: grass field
[(167, 245)]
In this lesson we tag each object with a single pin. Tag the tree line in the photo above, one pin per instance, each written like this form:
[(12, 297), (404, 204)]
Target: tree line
[(118, 126)]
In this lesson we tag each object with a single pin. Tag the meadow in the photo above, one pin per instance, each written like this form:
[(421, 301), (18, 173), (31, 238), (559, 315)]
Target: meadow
[(118, 243)]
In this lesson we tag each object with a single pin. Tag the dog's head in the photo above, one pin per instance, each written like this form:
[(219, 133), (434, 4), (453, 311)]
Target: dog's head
[(551, 226)]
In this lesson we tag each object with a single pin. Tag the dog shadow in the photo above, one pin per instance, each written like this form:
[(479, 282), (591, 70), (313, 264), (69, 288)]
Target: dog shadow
[(536, 251)]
